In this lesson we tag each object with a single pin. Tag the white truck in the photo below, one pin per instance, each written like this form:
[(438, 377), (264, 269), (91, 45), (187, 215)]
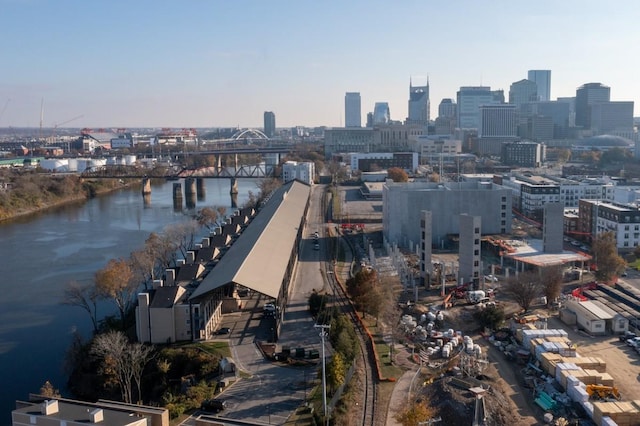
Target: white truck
[(476, 296)]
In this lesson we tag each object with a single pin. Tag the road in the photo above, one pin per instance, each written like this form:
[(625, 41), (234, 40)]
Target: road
[(273, 392)]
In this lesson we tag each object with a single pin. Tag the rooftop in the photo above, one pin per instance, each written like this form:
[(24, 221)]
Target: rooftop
[(530, 252)]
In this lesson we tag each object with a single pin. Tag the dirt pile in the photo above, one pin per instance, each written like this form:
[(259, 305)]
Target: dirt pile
[(455, 404)]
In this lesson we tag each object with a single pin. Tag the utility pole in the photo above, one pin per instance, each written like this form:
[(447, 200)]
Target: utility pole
[(323, 334)]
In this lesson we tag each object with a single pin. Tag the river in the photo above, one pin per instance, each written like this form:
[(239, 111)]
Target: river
[(41, 253)]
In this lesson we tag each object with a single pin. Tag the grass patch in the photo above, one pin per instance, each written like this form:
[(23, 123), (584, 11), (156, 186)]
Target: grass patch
[(382, 349), (215, 348)]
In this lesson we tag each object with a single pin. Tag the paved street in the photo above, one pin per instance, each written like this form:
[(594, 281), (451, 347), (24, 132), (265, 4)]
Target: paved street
[(273, 392)]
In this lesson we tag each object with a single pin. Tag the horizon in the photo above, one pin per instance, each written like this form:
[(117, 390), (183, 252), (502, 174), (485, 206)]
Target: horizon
[(222, 64)]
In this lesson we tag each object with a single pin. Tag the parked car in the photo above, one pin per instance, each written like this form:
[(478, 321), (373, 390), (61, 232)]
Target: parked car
[(224, 330), (491, 278), (627, 336), (635, 342), (214, 405)]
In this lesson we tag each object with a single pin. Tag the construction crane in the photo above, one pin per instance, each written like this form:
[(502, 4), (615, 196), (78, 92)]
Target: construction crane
[(55, 126)]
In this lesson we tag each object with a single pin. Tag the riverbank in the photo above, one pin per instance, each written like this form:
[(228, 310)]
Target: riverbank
[(88, 192)]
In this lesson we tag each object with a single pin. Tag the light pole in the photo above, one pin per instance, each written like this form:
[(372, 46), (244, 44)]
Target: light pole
[(323, 334)]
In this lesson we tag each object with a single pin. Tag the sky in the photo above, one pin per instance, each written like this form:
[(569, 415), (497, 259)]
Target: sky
[(210, 63)]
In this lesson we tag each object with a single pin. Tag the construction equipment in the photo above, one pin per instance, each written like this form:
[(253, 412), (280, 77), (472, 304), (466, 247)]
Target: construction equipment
[(603, 392)]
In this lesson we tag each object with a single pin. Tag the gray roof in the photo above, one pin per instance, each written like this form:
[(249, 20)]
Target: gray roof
[(259, 257), (165, 297)]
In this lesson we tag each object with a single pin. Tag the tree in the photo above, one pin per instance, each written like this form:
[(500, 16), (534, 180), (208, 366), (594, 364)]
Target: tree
[(122, 361), (183, 235), (336, 371), (115, 282), (85, 297), (490, 317), (48, 390), (139, 355), (608, 262), (415, 414), (564, 155), (397, 174), (551, 279), (112, 349), (211, 217), (524, 288)]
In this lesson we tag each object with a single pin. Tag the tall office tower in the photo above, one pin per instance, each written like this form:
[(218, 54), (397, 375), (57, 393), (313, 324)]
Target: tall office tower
[(447, 108), (470, 98), (498, 121), (522, 92), (419, 104), (613, 118), (352, 110), (269, 124), (381, 114), (542, 78), (559, 112), (587, 95)]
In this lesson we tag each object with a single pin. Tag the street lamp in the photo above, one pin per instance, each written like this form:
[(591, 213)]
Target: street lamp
[(323, 334)]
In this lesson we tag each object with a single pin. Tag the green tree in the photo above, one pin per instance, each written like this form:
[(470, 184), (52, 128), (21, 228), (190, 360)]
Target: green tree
[(609, 263), (564, 155), (397, 174), (490, 317)]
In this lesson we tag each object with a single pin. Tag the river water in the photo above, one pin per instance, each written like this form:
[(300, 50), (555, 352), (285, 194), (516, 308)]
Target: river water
[(41, 253)]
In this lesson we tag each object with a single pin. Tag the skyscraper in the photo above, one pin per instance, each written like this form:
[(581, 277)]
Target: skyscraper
[(269, 124), (497, 121), (419, 104), (542, 78), (470, 98), (381, 114), (522, 92), (587, 95), (352, 110), (447, 108)]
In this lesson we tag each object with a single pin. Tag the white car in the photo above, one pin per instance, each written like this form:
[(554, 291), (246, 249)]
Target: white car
[(634, 343), (491, 278)]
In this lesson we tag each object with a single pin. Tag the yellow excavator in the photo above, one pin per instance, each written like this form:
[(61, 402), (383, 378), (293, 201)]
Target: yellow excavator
[(603, 392)]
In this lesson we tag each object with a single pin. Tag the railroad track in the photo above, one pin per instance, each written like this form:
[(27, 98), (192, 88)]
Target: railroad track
[(366, 352)]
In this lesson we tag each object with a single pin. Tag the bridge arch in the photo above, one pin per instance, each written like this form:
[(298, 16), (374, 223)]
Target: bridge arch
[(249, 134)]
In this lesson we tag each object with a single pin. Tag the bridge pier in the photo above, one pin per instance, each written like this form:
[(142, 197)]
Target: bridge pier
[(201, 189), (234, 186), (177, 196), (146, 186)]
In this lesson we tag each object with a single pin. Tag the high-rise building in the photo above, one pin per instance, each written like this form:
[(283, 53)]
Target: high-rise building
[(447, 108), (470, 98), (381, 114), (587, 95), (352, 110), (498, 121), (269, 124), (612, 118), (419, 104), (542, 78), (523, 91)]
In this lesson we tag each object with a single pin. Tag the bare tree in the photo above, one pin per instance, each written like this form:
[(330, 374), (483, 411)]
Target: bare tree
[(115, 282), (139, 355), (606, 256), (85, 297), (524, 288), (183, 235), (551, 279), (143, 266), (112, 348)]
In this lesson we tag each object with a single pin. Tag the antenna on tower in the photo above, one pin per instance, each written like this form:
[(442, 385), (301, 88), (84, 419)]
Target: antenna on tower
[(41, 118)]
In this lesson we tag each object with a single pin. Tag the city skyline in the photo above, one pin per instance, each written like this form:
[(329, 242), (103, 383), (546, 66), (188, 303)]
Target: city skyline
[(222, 64)]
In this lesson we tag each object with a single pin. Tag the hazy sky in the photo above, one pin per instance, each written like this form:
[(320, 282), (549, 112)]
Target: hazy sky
[(205, 63)]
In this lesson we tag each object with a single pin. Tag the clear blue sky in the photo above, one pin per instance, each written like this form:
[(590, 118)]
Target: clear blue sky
[(202, 63)]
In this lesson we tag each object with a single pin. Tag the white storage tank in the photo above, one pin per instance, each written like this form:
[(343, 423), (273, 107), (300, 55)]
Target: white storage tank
[(130, 160), (72, 164), (54, 164)]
